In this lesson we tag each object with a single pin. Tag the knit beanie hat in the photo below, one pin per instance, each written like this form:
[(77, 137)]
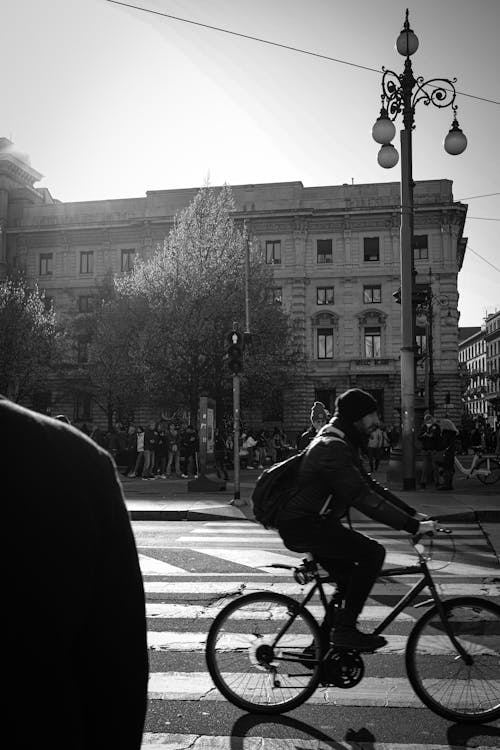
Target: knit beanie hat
[(318, 411), (354, 404)]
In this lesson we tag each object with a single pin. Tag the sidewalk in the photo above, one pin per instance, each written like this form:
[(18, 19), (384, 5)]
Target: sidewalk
[(170, 500)]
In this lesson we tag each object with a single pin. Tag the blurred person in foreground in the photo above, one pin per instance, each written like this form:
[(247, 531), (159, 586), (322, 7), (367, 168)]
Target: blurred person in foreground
[(77, 665)]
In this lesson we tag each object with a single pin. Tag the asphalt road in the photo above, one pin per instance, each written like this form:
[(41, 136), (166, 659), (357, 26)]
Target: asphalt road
[(191, 569)]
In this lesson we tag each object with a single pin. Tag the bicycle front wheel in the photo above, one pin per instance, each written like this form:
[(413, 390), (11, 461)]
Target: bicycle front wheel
[(254, 653), (491, 468), (462, 690)]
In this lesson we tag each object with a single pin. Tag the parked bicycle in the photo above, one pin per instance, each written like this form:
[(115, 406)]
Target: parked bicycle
[(485, 468), (256, 655)]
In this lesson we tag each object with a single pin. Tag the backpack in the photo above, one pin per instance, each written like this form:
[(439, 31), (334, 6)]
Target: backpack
[(274, 487), (279, 483)]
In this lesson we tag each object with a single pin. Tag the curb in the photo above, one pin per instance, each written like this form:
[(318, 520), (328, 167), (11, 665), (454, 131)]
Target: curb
[(184, 515)]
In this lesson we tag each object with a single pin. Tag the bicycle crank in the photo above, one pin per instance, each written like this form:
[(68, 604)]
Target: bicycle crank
[(343, 669)]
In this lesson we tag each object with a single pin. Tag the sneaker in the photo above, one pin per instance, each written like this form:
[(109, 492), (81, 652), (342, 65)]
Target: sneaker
[(163, 476), (353, 639), (184, 476), (131, 476)]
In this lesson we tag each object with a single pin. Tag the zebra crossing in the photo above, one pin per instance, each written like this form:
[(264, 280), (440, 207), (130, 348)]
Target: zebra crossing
[(189, 583)]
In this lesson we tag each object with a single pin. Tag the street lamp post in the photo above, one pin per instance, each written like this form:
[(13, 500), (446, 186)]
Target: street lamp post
[(400, 95)]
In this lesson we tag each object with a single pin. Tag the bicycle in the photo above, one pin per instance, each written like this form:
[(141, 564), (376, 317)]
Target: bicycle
[(486, 469), (258, 647)]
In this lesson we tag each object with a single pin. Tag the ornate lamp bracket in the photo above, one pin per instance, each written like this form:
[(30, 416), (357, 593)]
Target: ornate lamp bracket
[(398, 96)]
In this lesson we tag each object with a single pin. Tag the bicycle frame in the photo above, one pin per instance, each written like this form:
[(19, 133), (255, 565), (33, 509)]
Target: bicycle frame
[(426, 581), (472, 472)]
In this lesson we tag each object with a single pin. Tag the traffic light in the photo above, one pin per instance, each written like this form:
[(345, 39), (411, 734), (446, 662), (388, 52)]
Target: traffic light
[(234, 352), (397, 295)]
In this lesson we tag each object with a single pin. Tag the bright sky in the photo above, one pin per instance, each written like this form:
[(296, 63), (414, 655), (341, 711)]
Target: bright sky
[(110, 102)]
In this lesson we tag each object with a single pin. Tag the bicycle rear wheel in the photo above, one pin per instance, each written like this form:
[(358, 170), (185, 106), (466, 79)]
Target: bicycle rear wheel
[(255, 667), (491, 465), (440, 677)]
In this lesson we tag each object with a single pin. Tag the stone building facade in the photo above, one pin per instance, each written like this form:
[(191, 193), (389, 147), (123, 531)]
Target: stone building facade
[(479, 359), (336, 264)]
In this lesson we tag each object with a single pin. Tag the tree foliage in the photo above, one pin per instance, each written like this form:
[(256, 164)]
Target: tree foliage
[(29, 338), (112, 374), (193, 289)]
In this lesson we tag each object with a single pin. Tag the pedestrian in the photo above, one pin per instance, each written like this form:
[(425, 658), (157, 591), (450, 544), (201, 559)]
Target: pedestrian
[(430, 440), (220, 453), (174, 453), (319, 417), (374, 448), (190, 448), (150, 435), (161, 450), (448, 437), (76, 625), (139, 452)]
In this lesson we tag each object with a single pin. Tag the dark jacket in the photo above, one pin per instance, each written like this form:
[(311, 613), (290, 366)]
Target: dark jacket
[(332, 466), (306, 438), (74, 593), (430, 437)]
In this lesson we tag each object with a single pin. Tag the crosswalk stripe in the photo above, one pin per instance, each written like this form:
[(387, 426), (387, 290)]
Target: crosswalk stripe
[(163, 740), (253, 558), (225, 588), (175, 640), (257, 558), (150, 566), (372, 691), (191, 612)]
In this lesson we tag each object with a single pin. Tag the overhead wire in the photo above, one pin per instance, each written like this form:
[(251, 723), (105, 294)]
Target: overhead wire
[(323, 57), (274, 44), (482, 258)]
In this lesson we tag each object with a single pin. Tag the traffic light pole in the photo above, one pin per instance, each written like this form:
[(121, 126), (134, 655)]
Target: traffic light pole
[(236, 437)]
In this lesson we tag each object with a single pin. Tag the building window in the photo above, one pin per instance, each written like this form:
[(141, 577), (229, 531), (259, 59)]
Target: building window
[(87, 262), (421, 340), (46, 264), (372, 342), (325, 343), (128, 257), (371, 249), (324, 295), (324, 252), (420, 247), (85, 303), (82, 350), (273, 252), (82, 411), (275, 295), (372, 294)]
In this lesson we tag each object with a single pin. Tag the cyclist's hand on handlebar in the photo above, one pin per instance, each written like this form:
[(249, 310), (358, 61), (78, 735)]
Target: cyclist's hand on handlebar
[(426, 527)]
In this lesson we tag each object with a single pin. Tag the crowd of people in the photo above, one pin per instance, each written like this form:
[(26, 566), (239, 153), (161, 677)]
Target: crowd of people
[(440, 440), (167, 449)]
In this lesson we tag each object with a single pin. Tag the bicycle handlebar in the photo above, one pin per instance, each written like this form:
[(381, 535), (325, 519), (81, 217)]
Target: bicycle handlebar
[(415, 538)]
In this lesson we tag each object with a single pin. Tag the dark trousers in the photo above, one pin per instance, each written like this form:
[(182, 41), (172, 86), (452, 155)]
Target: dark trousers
[(353, 560)]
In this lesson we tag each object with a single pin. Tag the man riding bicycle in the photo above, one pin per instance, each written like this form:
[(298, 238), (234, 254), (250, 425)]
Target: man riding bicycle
[(332, 480)]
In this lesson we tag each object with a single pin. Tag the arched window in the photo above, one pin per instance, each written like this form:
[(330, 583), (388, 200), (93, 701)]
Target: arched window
[(324, 327)]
